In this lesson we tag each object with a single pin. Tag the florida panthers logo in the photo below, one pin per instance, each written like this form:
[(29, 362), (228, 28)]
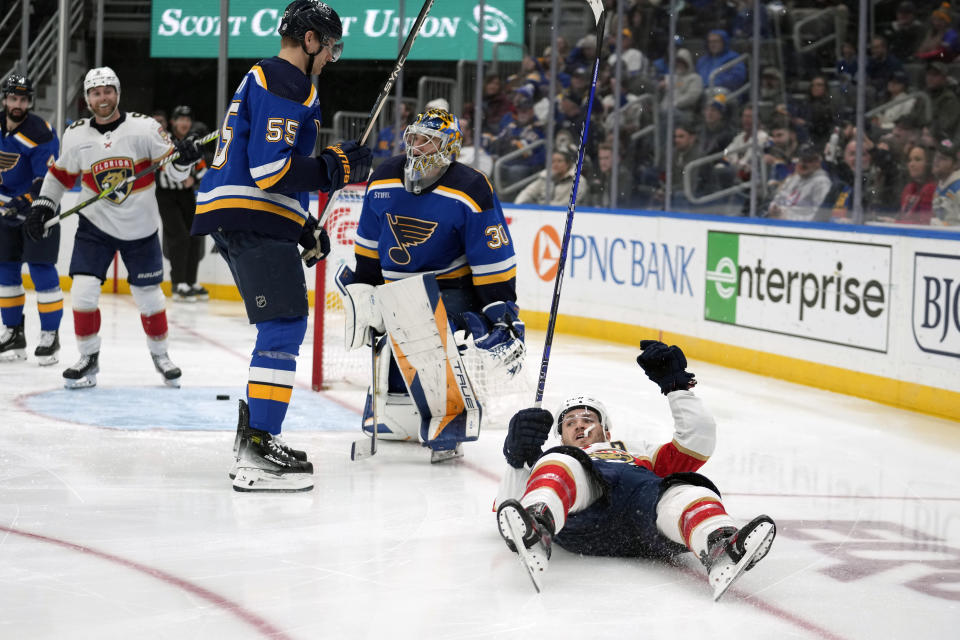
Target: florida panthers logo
[(7, 161), (409, 232), (109, 173)]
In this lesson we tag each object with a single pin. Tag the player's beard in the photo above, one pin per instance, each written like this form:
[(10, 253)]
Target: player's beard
[(16, 114), (103, 109)]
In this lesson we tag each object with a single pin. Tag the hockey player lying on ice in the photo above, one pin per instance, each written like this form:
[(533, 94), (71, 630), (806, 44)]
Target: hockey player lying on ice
[(593, 496)]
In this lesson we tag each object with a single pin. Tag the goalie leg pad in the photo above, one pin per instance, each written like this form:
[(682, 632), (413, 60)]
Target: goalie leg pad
[(360, 309), (422, 342)]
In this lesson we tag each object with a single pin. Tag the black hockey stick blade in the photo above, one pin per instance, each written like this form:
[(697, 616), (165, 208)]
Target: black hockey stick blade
[(103, 194)]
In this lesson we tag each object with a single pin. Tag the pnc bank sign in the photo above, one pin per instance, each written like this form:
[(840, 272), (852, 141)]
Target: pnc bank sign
[(372, 30)]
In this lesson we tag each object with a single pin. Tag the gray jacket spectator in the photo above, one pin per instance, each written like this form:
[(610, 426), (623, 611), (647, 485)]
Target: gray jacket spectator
[(943, 101), (801, 195), (563, 166), (687, 85)]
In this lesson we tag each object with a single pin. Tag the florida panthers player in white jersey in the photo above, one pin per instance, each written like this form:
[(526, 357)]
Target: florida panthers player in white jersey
[(102, 151)]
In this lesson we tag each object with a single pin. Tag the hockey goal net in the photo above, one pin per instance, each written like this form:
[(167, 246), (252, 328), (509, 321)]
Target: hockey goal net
[(334, 365)]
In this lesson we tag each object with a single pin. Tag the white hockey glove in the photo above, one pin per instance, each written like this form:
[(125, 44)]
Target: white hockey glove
[(361, 312), (499, 333)]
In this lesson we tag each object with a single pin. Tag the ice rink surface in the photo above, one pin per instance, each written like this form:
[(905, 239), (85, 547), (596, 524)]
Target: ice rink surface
[(117, 519)]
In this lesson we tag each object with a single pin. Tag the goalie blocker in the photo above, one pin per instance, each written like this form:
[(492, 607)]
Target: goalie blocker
[(424, 391)]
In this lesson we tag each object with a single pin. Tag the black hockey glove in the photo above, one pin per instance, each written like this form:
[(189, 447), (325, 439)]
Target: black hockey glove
[(528, 431), (665, 366), (190, 151), (16, 210), (43, 209), (315, 242), (347, 162)]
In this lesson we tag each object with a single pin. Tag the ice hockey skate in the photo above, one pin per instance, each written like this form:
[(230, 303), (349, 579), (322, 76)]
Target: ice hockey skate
[(47, 352), (170, 372), (263, 465), (731, 552), (199, 292), (13, 344), (442, 455), (183, 293), (245, 420), (528, 532), (83, 374)]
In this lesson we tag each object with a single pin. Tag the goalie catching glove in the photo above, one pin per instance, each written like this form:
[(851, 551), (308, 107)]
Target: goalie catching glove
[(43, 209), (526, 435), (499, 332), (346, 162), (665, 365), (315, 242)]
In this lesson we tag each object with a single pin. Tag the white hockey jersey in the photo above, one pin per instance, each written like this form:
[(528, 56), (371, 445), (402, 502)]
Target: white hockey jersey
[(101, 159)]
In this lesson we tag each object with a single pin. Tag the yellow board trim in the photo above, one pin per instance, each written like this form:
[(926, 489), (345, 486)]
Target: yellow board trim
[(897, 393)]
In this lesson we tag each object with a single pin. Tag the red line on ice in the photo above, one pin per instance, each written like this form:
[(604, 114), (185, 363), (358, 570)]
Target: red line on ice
[(238, 610)]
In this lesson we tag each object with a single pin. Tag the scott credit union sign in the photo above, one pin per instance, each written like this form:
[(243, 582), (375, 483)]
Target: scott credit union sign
[(372, 30)]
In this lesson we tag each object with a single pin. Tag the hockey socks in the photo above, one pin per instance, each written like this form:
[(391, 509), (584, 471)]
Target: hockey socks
[(49, 296), (273, 370)]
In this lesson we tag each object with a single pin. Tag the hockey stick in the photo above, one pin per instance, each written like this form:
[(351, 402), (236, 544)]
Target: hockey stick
[(357, 449), (385, 92), (103, 194), (600, 16)]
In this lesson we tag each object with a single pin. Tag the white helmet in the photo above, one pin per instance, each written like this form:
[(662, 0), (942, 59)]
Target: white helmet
[(101, 77), (575, 402)]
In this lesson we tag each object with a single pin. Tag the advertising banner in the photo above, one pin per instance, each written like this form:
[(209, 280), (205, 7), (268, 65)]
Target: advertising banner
[(825, 290), (936, 303), (372, 30)]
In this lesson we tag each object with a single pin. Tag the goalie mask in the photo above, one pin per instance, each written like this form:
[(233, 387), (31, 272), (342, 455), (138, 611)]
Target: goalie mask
[(432, 142), (581, 402)]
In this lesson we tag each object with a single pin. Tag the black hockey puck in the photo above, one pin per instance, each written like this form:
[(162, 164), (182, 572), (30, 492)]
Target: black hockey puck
[(222, 396)]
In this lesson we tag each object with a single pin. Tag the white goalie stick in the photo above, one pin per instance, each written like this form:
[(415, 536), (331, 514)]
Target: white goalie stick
[(359, 449), (129, 179), (600, 16), (385, 92)]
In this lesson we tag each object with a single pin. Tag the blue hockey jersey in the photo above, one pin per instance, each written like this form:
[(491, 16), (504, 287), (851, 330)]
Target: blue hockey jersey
[(455, 229), (273, 117), (26, 151)]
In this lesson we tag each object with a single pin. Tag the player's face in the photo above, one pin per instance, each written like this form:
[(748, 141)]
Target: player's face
[(422, 145), (103, 101), (581, 428), (16, 106)]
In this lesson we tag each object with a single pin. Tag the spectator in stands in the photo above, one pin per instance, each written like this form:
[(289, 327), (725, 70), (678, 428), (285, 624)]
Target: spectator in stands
[(738, 155), (563, 167), (718, 54), (572, 113), (583, 55), (495, 103), (881, 65), (801, 195), (518, 131), (687, 86), (847, 63), (946, 200), (534, 72), (916, 199), (742, 24), (635, 64), (600, 178), (685, 151), (771, 86), (815, 117), (941, 41), (905, 33), (633, 112), (714, 133), (780, 153), (879, 179), (580, 80), (387, 136), (945, 106), (903, 104), (471, 154)]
